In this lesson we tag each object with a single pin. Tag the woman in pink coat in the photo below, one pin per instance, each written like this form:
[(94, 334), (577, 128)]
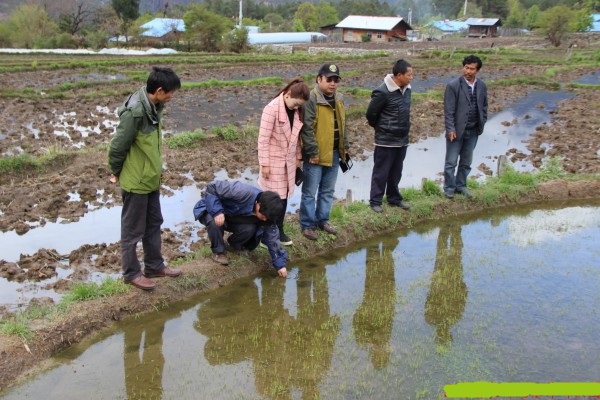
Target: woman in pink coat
[(278, 148)]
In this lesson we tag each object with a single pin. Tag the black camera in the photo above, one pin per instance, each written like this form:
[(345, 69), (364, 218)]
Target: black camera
[(299, 176), (346, 165)]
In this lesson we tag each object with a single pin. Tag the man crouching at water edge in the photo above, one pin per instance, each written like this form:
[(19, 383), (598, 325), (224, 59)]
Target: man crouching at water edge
[(135, 160), (246, 211)]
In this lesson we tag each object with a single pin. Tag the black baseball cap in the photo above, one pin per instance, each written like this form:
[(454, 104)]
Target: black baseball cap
[(329, 70)]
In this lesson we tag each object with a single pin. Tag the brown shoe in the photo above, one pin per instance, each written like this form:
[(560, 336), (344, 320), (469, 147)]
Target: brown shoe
[(166, 271), (310, 233), (141, 282), (328, 228), (220, 258)]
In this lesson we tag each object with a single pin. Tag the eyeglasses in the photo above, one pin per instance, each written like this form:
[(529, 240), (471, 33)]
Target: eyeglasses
[(335, 79)]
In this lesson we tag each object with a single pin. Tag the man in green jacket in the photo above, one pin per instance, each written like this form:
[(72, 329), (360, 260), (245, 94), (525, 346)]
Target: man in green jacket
[(324, 142), (135, 160)]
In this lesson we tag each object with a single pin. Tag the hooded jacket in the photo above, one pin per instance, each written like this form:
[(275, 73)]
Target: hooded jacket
[(389, 113), (237, 199), (134, 154)]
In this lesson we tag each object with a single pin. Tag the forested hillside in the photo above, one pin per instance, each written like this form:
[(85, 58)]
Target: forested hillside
[(210, 23), (420, 9)]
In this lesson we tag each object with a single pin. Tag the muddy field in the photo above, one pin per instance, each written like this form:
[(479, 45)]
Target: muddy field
[(85, 118)]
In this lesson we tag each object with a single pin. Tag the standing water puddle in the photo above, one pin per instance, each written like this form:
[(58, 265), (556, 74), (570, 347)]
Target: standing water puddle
[(507, 296)]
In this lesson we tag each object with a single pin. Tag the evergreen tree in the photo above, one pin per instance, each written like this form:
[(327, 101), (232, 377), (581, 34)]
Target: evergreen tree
[(516, 15), (205, 28), (128, 11), (532, 19)]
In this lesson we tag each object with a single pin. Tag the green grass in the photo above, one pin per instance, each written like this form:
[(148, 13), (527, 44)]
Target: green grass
[(430, 95), (18, 163), (187, 282), (17, 325), (185, 139), (26, 162), (231, 133), (196, 255), (531, 80), (89, 291), (552, 168)]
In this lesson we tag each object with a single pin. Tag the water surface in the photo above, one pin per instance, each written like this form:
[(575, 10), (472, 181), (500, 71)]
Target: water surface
[(503, 296)]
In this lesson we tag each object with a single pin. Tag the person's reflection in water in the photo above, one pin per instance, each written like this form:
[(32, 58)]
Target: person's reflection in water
[(374, 317), (315, 331), (445, 303), (143, 357), (241, 325)]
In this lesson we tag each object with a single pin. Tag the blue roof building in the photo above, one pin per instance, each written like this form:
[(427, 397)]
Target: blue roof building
[(595, 23), (449, 27), (161, 27)]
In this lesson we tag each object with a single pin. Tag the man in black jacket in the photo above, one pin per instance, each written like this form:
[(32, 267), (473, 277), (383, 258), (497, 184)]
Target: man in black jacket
[(389, 114)]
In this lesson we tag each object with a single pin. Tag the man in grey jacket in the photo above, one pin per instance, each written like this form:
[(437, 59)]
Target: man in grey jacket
[(389, 113), (465, 115)]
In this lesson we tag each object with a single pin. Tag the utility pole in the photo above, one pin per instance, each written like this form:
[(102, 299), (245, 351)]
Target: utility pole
[(240, 13), (464, 12)]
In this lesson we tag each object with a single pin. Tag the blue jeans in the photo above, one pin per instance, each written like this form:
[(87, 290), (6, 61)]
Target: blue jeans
[(461, 147), (321, 179)]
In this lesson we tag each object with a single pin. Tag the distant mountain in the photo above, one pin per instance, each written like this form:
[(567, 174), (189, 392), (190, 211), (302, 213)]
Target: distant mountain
[(6, 6), (154, 6)]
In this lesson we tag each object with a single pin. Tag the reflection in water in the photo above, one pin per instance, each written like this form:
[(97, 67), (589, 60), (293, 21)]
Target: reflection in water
[(244, 325), (374, 317), (323, 336), (447, 295), (143, 357)]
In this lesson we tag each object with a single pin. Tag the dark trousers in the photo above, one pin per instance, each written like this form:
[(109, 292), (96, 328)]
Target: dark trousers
[(243, 234), (282, 216), (387, 172), (141, 219)]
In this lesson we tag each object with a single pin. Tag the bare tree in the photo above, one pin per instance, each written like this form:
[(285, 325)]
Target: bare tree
[(72, 15), (80, 14)]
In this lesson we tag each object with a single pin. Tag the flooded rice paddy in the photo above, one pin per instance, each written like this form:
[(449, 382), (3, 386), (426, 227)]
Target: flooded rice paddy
[(505, 296)]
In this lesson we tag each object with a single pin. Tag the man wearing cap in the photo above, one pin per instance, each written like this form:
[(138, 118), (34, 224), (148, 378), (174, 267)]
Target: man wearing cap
[(323, 143)]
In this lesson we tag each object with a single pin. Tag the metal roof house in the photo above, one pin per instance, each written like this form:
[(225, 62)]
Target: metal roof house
[(483, 27), (378, 29), (162, 28), (448, 27)]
